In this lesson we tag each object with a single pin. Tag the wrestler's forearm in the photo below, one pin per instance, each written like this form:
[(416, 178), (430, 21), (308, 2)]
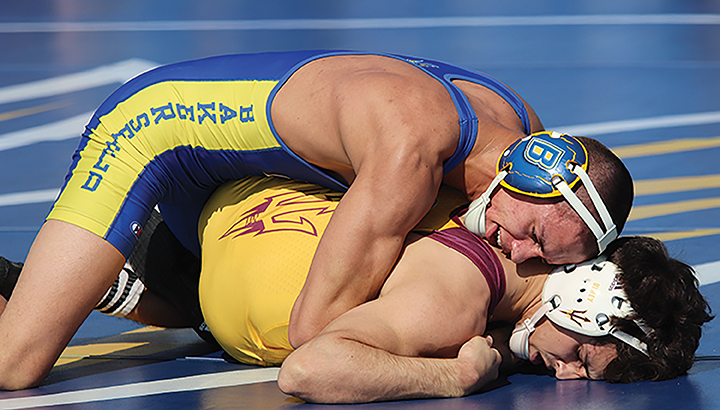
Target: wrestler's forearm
[(348, 270), (335, 370), (357, 252)]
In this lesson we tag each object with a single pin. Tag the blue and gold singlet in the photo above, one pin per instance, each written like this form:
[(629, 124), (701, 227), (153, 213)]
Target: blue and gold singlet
[(172, 135)]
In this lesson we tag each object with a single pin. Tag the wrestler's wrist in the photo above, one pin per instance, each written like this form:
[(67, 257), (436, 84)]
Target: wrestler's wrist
[(477, 367), (466, 379)]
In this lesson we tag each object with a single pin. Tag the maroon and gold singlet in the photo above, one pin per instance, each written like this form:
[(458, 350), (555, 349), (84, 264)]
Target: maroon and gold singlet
[(258, 237)]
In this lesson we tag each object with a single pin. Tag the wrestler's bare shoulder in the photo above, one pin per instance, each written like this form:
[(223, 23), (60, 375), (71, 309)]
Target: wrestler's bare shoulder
[(330, 108), (461, 298), (347, 71)]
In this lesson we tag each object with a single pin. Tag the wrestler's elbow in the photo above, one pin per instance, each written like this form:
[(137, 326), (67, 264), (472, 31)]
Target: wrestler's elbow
[(306, 320), (298, 377), (307, 375), (300, 332)]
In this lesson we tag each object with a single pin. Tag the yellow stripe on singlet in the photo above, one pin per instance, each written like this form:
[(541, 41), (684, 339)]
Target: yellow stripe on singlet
[(213, 115)]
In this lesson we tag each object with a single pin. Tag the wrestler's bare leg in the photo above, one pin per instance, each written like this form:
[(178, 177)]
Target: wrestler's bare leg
[(162, 262), (66, 272), (151, 309)]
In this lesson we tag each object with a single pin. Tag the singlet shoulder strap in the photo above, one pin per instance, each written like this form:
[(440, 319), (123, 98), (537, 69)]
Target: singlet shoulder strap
[(455, 236), (446, 73)]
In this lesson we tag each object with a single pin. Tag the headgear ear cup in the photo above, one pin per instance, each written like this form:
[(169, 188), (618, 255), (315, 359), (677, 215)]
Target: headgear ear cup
[(475, 216)]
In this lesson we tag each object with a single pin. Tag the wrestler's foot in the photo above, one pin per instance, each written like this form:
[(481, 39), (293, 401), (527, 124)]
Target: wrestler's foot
[(9, 273), (204, 332)]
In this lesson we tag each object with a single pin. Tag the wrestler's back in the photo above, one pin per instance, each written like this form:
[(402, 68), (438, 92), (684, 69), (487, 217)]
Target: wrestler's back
[(332, 109)]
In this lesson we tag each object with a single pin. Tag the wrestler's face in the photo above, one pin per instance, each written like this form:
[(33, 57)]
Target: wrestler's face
[(568, 354), (525, 227)]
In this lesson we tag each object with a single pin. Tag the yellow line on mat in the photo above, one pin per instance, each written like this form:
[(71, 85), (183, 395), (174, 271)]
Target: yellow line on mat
[(649, 211), (10, 115), (144, 330), (671, 236), (76, 353), (676, 184), (666, 147)]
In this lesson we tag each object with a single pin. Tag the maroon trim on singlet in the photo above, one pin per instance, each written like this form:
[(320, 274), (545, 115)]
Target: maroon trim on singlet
[(480, 253)]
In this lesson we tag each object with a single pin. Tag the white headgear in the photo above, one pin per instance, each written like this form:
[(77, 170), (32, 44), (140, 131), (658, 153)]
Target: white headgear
[(583, 299)]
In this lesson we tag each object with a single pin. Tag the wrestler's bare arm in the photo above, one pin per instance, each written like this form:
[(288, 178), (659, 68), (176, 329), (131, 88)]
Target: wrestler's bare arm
[(396, 136), (404, 344)]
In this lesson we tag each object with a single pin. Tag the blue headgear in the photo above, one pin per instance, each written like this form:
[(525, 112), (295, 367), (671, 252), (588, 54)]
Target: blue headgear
[(545, 164)]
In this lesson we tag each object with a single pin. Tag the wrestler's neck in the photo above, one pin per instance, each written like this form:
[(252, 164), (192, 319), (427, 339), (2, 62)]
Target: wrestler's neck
[(523, 288), (477, 171), (498, 127)]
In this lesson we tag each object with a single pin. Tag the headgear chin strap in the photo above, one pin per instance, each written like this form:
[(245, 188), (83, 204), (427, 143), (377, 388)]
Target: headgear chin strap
[(545, 164), (583, 299)]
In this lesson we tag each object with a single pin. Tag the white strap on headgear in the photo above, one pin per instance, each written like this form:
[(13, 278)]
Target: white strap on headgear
[(603, 237), (631, 340), (475, 216), (520, 337)]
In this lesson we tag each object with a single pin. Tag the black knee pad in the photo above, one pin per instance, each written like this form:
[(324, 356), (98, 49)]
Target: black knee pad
[(9, 274), (169, 270)]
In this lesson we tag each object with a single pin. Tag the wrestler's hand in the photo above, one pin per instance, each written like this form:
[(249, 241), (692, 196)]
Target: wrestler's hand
[(501, 342), (480, 363)]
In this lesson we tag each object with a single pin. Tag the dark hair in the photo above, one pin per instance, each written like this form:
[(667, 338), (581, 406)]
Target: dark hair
[(664, 294)]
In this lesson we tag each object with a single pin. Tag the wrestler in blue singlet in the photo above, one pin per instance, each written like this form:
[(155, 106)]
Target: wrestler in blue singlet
[(174, 134)]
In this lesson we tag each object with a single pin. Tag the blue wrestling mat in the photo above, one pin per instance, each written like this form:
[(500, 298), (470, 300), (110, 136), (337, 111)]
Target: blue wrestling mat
[(643, 77)]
